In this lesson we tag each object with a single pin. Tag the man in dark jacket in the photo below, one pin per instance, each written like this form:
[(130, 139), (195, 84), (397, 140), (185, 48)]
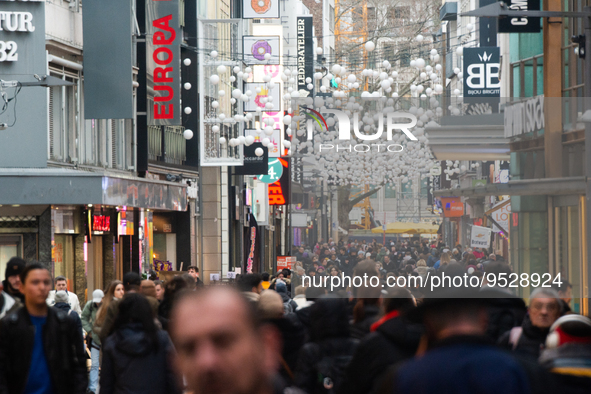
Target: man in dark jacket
[(62, 303), (12, 281), (393, 339), (48, 344), (544, 309), (459, 358)]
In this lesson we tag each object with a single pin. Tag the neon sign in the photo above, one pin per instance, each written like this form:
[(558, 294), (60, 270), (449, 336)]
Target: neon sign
[(101, 223)]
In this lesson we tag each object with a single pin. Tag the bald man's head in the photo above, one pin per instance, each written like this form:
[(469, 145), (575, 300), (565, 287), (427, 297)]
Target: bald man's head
[(148, 288), (220, 347)]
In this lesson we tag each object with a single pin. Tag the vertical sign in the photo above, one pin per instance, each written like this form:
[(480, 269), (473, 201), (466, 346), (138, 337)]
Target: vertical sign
[(521, 24), (163, 43), (481, 72), (305, 47)]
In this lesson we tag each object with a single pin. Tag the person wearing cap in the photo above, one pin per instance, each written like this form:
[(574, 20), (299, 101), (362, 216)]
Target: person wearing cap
[(61, 284), (61, 302), (568, 353), (12, 281), (455, 355), (92, 339)]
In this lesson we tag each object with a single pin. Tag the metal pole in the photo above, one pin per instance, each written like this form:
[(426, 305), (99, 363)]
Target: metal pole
[(587, 28)]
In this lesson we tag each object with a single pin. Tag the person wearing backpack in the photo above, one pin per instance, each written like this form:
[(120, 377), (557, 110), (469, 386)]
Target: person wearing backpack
[(62, 303), (322, 362), (92, 339), (289, 305)]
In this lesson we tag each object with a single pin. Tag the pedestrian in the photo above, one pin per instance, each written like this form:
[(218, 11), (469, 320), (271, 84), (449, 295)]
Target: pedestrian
[(12, 281), (194, 272), (62, 303), (148, 288), (271, 310), (171, 291), (251, 286), (367, 305), (265, 283), (544, 309), (458, 357), (61, 284), (392, 340), (221, 346), (568, 353), (114, 292), (136, 355), (322, 361), (41, 349), (8, 304), (300, 297), (159, 289), (565, 291), (289, 305), (93, 342)]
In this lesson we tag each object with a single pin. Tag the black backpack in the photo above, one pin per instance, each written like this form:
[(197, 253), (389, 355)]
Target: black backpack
[(330, 371)]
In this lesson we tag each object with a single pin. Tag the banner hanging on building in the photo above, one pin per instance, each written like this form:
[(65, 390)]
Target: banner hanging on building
[(252, 235), (305, 54), (253, 164), (480, 237), (481, 72), (521, 24), (261, 50), (163, 50)]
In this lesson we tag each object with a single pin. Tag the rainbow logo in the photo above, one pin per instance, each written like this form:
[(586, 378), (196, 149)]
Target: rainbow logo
[(310, 124)]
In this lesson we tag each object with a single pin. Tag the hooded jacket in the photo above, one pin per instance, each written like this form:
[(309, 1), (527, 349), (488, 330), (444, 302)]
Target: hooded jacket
[(65, 307), (132, 365), (330, 345), (393, 341), (63, 346), (8, 304), (281, 289)]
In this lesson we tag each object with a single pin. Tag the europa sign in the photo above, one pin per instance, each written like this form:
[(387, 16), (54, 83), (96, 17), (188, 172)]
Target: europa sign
[(481, 72), (524, 117), (163, 43)]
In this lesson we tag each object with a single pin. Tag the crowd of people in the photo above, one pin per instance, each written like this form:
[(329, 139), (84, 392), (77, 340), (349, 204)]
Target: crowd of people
[(269, 334)]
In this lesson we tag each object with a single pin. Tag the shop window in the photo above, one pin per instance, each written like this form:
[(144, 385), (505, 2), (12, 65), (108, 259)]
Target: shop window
[(10, 246)]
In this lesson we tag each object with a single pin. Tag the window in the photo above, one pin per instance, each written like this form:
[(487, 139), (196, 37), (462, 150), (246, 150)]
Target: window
[(63, 124), (390, 190), (331, 18), (404, 58)]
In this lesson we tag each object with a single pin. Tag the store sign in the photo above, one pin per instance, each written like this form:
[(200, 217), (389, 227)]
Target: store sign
[(101, 223), (261, 49), (501, 216), (260, 9), (279, 191), (480, 237), (274, 172), (521, 24), (163, 49), (285, 262), (524, 117), (305, 51), (252, 223), (452, 207), (481, 72)]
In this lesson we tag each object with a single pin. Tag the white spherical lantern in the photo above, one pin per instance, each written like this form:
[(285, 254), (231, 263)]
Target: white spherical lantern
[(221, 69), (336, 69), (266, 141), (370, 46), (267, 56), (187, 86), (222, 140), (248, 140), (433, 52), (236, 69), (394, 74), (456, 92), (351, 78), (310, 86), (248, 70), (460, 50), (215, 129), (232, 79), (232, 101), (259, 151), (438, 67), (287, 144), (469, 27), (395, 94), (413, 63), (222, 93), (187, 62), (460, 75), (420, 38), (213, 54), (188, 110), (286, 119), (222, 117), (236, 93), (420, 63), (317, 76), (188, 134), (215, 104), (319, 51), (214, 79)]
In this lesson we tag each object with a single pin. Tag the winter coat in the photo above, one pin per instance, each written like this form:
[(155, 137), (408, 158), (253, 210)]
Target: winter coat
[(392, 342), (65, 307), (63, 346), (530, 341), (88, 318), (293, 336), (132, 365), (461, 364), (72, 301), (570, 365), (282, 291), (330, 349), (361, 329), (505, 311)]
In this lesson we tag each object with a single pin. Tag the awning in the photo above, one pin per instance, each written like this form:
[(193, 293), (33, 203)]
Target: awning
[(407, 228), (525, 187), (76, 187)]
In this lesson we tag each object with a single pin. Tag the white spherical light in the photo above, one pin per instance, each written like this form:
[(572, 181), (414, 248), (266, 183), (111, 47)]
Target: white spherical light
[(336, 69), (187, 86), (420, 38), (221, 69), (460, 51), (213, 54), (248, 140), (420, 63), (259, 151), (222, 93), (232, 79), (214, 79), (286, 119), (370, 46), (236, 93), (413, 63), (188, 134), (266, 141), (310, 86), (319, 51), (215, 128), (469, 27), (187, 62), (456, 92), (267, 56), (222, 140), (215, 104), (248, 70), (188, 110), (433, 52), (236, 69)]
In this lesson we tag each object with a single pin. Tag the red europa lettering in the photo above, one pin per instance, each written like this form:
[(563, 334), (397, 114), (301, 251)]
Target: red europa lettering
[(163, 56)]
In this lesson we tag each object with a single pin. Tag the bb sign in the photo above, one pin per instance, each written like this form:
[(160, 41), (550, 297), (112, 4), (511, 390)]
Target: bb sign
[(481, 72)]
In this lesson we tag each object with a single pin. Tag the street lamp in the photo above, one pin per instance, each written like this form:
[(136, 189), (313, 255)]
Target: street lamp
[(500, 10)]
